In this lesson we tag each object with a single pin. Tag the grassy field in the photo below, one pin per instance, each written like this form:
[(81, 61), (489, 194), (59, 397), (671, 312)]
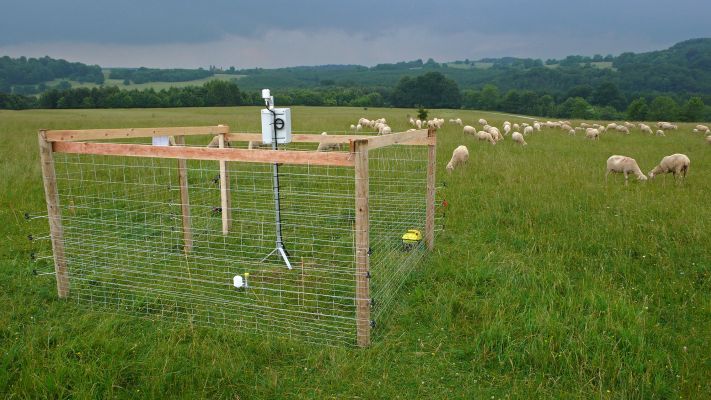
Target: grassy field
[(148, 85), (545, 283)]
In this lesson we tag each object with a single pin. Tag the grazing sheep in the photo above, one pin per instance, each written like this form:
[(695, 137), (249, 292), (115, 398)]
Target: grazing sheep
[(675, 163), (482, 135), (592, 133), (665, 126), (482, 121), (537, 126), (327, 146), (527, 130), (623, 129), (460, 155), (702, 128), (359, 127), (353, 127), (645, 128), (385, 130), (624, 165), (507, 129), (418, 123), (585, 125), (470, 130), (611, 125), (517, 137), (364, 121), (708, 139), (571, 132), (495, 133), (629, 125), (660, 133), (516, 127), (566, 127)]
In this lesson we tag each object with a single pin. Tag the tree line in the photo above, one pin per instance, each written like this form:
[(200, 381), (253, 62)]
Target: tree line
[(431, 90)]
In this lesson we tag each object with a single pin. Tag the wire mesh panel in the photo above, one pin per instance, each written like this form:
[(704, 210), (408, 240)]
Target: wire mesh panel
[(126, 245)]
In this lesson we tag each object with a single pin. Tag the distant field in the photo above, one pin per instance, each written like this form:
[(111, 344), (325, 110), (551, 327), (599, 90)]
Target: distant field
[(148, 85), (545, 283)]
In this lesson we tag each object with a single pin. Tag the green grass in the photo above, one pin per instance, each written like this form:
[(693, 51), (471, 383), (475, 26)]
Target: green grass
[(545, 283)]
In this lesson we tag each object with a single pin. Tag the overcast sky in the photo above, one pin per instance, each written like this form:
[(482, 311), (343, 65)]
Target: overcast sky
[(275, 33)]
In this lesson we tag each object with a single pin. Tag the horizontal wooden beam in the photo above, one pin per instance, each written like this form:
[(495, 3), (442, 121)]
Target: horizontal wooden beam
[(204, 153), (396, 138), (96, 134), (419, 139)]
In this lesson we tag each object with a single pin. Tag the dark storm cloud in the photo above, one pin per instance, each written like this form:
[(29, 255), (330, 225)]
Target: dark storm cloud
[(382, 30)]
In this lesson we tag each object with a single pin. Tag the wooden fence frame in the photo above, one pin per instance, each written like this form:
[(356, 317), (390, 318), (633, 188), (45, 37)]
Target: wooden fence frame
[(77, 142)]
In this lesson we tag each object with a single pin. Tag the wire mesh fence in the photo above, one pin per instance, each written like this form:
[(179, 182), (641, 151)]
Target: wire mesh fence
[(124, 241)]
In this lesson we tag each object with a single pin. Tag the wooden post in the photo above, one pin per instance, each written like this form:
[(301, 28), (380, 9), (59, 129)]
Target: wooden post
[(430, 207), (54, 215), (362, 243), (225, 192), (184, 198)]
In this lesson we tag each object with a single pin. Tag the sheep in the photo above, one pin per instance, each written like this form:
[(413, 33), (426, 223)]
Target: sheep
[(482, 135), (708, 139), (364, 121), (527, 130), (702, 128), (386, 130), (470, 130), (592, 134), (625, 165), (458, 121), (327, 146), (585, 125), (537, 126), (517, 137), (611, 125), (571, 132), (353, 127), (666, 126), (645, 128), (460, 155), (630, 125), (359, 127), (566, 127), (495, 133), (507, 129), (412, 121), (660, 132), (623, 129), (482, 121), (675, 163), (516, 127), (418, 123)]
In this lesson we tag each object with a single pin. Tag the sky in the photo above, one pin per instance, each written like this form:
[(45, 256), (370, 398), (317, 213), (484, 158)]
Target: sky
[(276, 33)]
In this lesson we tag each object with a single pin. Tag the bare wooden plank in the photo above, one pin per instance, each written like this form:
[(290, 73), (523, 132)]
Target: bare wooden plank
[(341, 159), (225, 191), (54, 215), (430, 207), (298, 138), (362, 243), (97, 134), (184, 199), (396, 138)]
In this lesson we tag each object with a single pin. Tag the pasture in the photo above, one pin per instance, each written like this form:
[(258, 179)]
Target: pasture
[(545, 282)]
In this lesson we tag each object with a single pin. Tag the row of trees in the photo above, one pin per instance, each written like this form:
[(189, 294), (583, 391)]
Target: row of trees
[(144, 75), (32, 71), (431, 90)]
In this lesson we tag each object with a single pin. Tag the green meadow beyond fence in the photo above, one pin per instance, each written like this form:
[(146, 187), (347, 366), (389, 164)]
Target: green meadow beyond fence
[(187, 232)]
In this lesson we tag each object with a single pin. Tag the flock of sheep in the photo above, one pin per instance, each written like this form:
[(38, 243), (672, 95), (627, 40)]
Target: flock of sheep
[(677, 164)]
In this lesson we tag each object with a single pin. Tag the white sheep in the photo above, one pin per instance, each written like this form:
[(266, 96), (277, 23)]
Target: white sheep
[(660, 132), (675, 163), (624, 165), (645, 128), (571, 132), (517, 137), (630, 125), (623, 129), (702, 128), (527, 130), (516, 127), (458, 121), (385, 130), (566, 127), (327, 146), (359, 127), (460, 155), (708, 139), (592, 133), (537, 126), (353, 127), (483, 135), (611, 125), (469, 129), (495, 133), (666, 126), (418, 123), (507, 129), (585, 125), (482, 121)]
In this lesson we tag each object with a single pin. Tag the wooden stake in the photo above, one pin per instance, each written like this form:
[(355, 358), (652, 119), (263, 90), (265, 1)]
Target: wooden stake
[(184, 199), (54, 214), (430, 207), (225, 192), (362, 243)]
